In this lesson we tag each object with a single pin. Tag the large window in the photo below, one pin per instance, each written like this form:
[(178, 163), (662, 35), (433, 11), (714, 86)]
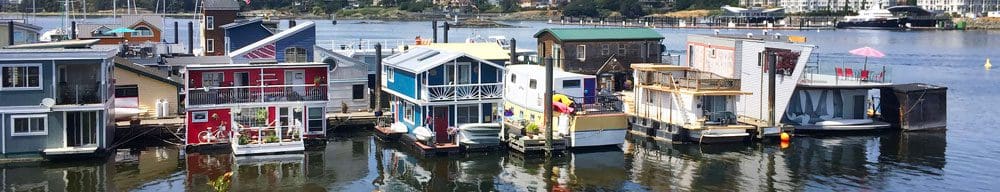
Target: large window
[(388, 73), (126, 91), (468, 114), (408, 113), (316, 119), (358, 91), (142, 31), (20, 77), (29, 125), (211, 79), (571, 84), (295, 55)]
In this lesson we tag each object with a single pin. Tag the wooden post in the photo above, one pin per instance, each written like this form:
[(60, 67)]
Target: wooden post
[(378, 77), (434, 27), (772, 68), (548, 106), (513, 51), (447, 27)]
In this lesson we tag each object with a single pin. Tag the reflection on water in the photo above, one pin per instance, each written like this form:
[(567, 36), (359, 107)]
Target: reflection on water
[(881, 161)]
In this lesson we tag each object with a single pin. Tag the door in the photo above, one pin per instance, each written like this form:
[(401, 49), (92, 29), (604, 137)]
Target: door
[(859, 107), (241, 80), (589, 90), (441, 124), (81, 128), (290, 123), (296, 77)]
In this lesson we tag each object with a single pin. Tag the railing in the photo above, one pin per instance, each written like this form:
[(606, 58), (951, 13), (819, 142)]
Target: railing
[(600, 104), (80, 94), (249, 136), (848, 73), (462, 92), (688, 79), (256, 94), (389, 45)]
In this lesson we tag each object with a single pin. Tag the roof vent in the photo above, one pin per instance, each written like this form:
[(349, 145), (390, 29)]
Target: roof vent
[(716, 32), (749, 35)]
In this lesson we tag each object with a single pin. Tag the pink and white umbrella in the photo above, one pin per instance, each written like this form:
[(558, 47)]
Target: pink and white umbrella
[(867, 52)]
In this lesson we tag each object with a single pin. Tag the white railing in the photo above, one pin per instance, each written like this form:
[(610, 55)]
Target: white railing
[(272, 133), (462, 92), (256, 94)]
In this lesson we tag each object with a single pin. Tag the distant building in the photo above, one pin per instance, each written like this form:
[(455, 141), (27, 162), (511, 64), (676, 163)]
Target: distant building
[(802, 6), (604, 52), (143, 88), (56, 100), (244, 32), (294, 45), (22, 32), (147, 28), (216, 13), (976, 7)]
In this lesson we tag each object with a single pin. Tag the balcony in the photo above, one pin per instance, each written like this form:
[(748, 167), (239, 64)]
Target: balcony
[(697, 80), (462, 92), (256, 94), (79, 94)]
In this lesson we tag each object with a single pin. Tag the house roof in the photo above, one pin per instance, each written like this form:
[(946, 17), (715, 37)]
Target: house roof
[(538, 71), (85, 30), (242, 22), (600, 34), (421, 59), (152, 73), (199, 60), (487, 51), (342, 60), (50, 53), (272, 39), (230, 5), (21, 24)]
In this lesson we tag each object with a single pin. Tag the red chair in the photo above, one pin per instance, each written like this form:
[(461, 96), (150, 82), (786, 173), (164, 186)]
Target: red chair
[(848, 72), (880, 77), (864, 75), (840, 72)]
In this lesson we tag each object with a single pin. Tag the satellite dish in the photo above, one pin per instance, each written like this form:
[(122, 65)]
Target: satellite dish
[(48, 102)]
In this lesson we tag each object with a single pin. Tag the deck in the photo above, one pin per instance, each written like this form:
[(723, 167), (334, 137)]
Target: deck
[(427, 150), (834, 82)]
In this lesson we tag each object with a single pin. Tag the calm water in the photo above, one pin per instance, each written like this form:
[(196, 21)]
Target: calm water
[(963, 158)]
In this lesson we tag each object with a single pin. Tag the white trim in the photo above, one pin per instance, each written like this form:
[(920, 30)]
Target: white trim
[(212, 25), (35, 88), (3, 140), (194, 114), (151, 34), (409, 106), (210, 45), (87, 107), (45, 125)]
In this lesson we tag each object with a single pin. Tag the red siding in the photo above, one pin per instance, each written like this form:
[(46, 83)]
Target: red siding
[(193, 129), (275, 75)]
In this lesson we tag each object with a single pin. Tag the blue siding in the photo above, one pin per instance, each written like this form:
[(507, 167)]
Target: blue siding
[(247, 34), (490, 74), (305, 39), (404, 83), (31, 97), (418, 117)]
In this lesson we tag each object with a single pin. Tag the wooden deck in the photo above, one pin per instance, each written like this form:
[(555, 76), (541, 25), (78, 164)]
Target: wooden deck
[(386, 134), (427, 150)]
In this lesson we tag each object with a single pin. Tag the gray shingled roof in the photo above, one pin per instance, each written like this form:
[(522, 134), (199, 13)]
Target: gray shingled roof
[(199, 60), (232, 5), (150, 72)]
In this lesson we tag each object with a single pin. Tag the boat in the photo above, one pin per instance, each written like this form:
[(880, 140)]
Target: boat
[(823, 102), (479, 135), (586, 119), (872, 19)]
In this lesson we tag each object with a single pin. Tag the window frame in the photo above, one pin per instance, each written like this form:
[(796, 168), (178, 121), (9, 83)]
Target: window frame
[(622, 49), (355, 91), (44, 129), (210, 22), (296, 55), (409, 113), (310, 120), (220, 75), (578, 83), (605, 50), (195, 119), (138, 32), (3, 77), (465, 113), (210, 45), (389, 74), (581, 52), (533, 84)]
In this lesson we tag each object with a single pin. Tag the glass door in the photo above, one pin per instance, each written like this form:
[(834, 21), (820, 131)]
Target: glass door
[(81, 128)]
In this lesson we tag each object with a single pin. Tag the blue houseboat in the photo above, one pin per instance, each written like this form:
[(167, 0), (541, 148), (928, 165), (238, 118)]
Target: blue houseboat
[(434, 91), (55, 100)]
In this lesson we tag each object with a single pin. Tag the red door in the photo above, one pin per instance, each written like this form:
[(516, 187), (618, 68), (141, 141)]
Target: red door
[(441, 124)]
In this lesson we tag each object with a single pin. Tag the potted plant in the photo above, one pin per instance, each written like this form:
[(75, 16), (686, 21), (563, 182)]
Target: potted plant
[(261, 116), (532, 130), (317, 81), (271, 139)]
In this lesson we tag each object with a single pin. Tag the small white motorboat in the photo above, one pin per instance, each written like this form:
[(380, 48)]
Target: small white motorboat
[(477, 135)]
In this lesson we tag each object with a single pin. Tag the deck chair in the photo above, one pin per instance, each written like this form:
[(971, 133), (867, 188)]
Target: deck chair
[(848, 72), (864, 75), (840, 72)]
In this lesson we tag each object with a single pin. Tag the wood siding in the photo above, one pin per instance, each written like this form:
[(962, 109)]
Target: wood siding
[(216, 33), (150, 90)]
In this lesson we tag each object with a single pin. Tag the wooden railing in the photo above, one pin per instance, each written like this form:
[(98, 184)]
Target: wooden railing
[(687, 79)]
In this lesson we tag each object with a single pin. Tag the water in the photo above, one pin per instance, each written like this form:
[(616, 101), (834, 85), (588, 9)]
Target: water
[(959, 159)]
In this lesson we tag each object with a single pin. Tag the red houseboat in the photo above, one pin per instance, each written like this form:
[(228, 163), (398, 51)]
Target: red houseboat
[(256, 108)]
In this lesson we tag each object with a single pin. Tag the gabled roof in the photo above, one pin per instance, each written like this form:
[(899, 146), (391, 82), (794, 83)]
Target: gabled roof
[(272, 39), (219, 5), (196, 60), (155, 22), (154, 74), (242, 22), (600, 34), (343, 60), (421, 59), (487, 51)]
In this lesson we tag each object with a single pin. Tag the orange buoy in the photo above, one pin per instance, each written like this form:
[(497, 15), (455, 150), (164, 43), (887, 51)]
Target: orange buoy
[(785, 144), (785, 137)]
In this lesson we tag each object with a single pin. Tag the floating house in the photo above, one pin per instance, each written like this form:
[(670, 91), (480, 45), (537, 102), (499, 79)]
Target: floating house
[(55, 100), (266, 99), (216, 13), (723, 94), (244, 32), (842, 99), (15, 32), (145, 92), (434, 90), (348, 81), (604, 52), (146, 29)]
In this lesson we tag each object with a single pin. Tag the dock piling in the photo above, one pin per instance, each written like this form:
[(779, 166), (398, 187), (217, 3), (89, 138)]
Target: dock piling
[(548, 106)]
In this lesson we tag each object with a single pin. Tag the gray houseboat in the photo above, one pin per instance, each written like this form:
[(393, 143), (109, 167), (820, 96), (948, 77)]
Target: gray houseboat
[(56, 99)]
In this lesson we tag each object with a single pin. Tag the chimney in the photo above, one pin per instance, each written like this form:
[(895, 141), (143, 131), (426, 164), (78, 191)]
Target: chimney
[(191, 37)]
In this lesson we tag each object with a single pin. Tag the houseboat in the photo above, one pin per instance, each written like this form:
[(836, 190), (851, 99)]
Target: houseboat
[(266, 100), (842, 99), (604, 52), (56, 99), (435, 91), (588, 118), (723, 93)]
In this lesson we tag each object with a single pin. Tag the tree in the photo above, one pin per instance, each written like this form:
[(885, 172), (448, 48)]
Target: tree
[(508, 6), (609, 4), (631, 9), (483, 5), (581, 8)]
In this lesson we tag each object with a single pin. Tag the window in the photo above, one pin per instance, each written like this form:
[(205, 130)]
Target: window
[(29, 125), (605, 50), (199, 116), (211, 79), (387, 72), (467, 114), (571, 84), (532, 83), (126, 91), (513, 78), (581, 52), (142, 31), (210, 22), (295, 55), (649, 96), (358, 91), (316, 119), (210, 45), (408, 113), (621, 49), (21, 77)]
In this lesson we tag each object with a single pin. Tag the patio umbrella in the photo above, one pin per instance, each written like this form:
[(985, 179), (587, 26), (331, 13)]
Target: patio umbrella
[(867, 52), (119, 30)]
